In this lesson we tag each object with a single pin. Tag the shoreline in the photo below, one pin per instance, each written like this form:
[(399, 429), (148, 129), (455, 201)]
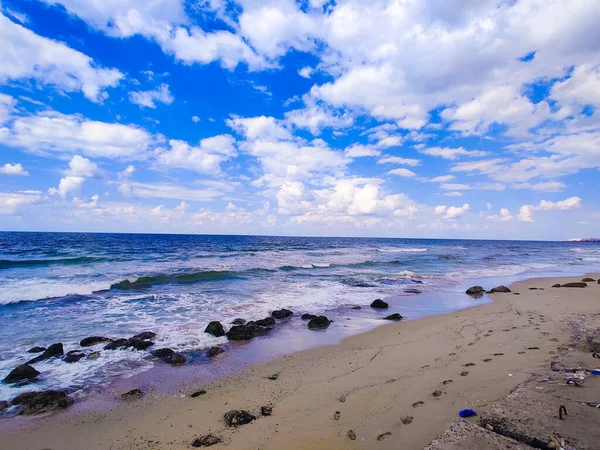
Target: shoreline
[(378, 390)]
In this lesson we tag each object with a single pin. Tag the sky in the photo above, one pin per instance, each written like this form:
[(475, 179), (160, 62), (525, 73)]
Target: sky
[(392, 118)]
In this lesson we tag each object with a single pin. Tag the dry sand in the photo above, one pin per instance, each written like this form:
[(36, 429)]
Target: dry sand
[(374, 380)]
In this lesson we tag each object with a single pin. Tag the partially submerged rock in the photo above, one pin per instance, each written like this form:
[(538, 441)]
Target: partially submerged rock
[(319, 323), (134, 394), (281, 314), (396, 317), (215, 328), (238, 322), (3, 405), (73, 356), (412, 291), (206, 441), (356, 307), (146, 335), (500, 289), (246, 332), (266, 322), (576, 284), (308, 316), (379, 304), (53, 351), (214, 351), (475, 290), (24, 372), (36, 350), (93, 340), (41, 402), (236, 418), (176, 359), (163, 353), (139, 344), (116, 344)]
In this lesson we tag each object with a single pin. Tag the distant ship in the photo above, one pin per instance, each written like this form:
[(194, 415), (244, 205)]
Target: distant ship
[(584, 240)]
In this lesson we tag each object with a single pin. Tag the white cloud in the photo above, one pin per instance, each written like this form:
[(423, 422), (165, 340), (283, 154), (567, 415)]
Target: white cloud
[(13, 169), (400, 161), (306, 72), (165, 190), (451, 153), (148, 99), (7, 104), (401, 172), (452, 212), (504, 216), (10, 202), (24, 55), (79, 170), (442, 179), (195, 119), (359, 151), (67, 185), (525, 213), (261, 127), (205, 158), (314, 118), (453, 194)]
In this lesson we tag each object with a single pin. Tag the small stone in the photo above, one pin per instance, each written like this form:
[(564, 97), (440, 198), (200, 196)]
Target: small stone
[(407, 420), (475, 290), (206, 441), (356, 307), (236, 418), (395, 317), (214, 351), (379, 304), (351, 435), (336, 415), (489, 427), (215, 328), (266, 410), (134, 394), (500, 288)]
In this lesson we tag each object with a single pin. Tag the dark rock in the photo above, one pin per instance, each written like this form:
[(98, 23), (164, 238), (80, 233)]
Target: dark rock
[(163, 353), (577, 284), (3, 405), (593, 341), (146, 335), (379, 304), (40, 402), (238, 322), (206, 441), (246, 332), (119, 343), (416, 281), (93, 355), (356, 307), (236, 418), (214, 351), (266, 322), (412, 291), (474, 290), (282, 314), (176, 359), (395, 317), (588, 280), (215, 328), (500, 289), (308, 316), (318, 323), (24, 372), (36, 350), (266, 410), (53, 351), (134, 394), (73, 356), (93, 340), (139, 344), (556, 285)]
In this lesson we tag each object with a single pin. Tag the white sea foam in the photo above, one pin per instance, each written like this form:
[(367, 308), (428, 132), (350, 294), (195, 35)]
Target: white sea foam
[(13, 291), (401, 250)]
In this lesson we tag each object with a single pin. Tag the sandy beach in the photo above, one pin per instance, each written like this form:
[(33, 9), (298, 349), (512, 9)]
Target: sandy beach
[(426, 369)]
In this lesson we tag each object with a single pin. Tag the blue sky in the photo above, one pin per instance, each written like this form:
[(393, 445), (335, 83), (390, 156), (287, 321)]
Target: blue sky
[(410, 118)]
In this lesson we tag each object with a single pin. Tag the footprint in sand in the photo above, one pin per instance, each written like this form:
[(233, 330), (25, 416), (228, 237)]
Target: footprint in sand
[(437, 359), (464, 373), (425, 366), (487, 359), (486, 335), (521, 353), (506, 330), (407, 420), (445, 382), (514, 328), (417, 404), (469, 364), (533, 348), (471, 343), (381, 437), (498, 354), (451, 354), (336, 416), (436, 393)]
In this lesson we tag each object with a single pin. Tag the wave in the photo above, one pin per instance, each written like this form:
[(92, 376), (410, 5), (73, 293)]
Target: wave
[(401, 250), (10, 264)]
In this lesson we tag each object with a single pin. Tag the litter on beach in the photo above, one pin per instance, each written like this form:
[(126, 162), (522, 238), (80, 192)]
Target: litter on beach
[(467, 413)]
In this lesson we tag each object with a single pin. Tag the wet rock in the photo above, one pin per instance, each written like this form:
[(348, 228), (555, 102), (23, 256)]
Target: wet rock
[(73, 356), (379, 304), (500, 289), (356, 307), (282, 314), (146, 335), (319, 323), (557, 285), (3, 405), (588, 280), (246, 332), (577, 284), (475, 290), (266, 322), (93, 355), (176, 359), (24, 372), (215, 328), (36, 350), (53, 351), (236, 418), (308, 316), (134, 394), (139, 344), (214, 351), (416, 281), (238, 322), (206, 441), (93, 340), (41, 402), (395, 317), (412, 291), (163, 353), (116, 344), (266, 410)]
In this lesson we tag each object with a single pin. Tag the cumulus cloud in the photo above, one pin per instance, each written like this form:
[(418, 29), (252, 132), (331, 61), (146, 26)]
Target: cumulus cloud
[(400, 161), (204, 158), (10, 202), (451, 153), (503, 216), (148, 99), (13, 169), (452, 212), (79, 170), (401, 172), (525, 213)]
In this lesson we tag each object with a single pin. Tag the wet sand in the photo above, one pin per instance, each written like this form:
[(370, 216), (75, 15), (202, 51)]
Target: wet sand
[(374, 380)]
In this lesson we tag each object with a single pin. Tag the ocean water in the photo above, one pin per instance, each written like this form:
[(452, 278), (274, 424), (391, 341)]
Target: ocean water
[(62, 287)]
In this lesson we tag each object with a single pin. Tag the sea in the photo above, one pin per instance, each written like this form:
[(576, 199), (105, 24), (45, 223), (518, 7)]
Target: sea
[(62, 287)]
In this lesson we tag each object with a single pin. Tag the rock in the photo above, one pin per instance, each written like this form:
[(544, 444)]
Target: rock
[(134, 394), (139, 344), (282, 314), (51, 352), (176, 359), (93, 340), (246, 332), (308, 316), (93, 355), (556, 285), (475, 290), (593, 341), (40, 402), (119, 343), (163, 353), (500, 289), (146, 335), (266, 410), (3, 405), (215, 328), (577, 284), (588, 280), (236, 418), (266, 322), (356, 307), (214, 351), (379, 304), (318, 323), (412, 291), (36, 350), (24, 372), (238, 322), (206, 441), (73, 356), (395, 317), (416, 281)]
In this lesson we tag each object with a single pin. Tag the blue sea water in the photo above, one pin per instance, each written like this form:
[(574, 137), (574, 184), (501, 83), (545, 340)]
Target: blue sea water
[(62, 287)]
